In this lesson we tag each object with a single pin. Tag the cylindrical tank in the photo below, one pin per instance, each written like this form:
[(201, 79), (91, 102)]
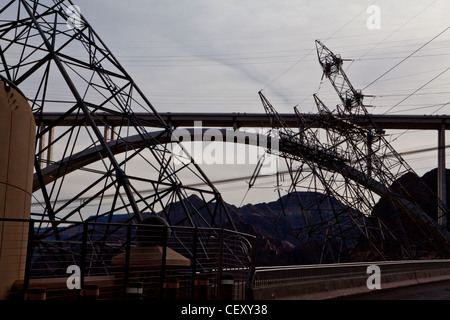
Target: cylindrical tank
[(17, 147)]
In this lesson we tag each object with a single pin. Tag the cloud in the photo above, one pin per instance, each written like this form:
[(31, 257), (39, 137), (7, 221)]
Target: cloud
[(214, 56)]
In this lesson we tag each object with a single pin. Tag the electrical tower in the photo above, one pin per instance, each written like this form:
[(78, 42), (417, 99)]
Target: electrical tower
[(355, 166), (53, 55)]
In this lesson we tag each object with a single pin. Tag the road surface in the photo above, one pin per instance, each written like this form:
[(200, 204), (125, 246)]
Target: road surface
[(429, 291)]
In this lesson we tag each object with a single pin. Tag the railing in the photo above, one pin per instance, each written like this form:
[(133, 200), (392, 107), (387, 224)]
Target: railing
[(116, 261), (119, 261), (329, 281)]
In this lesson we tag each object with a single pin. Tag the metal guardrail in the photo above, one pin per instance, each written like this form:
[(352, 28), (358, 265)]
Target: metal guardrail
[(325, 281), (216, 264), (266, 276), (111, 256)]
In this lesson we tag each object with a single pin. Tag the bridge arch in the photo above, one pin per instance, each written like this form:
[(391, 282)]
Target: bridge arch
[(273, 145), (94, 154)]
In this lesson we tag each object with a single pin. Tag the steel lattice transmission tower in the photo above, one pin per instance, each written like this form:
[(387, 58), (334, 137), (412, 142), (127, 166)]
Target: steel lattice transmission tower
[(53, 55), (356, 166), (380, 163)]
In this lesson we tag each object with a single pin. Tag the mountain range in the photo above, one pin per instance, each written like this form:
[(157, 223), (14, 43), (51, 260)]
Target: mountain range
[(291, 234)]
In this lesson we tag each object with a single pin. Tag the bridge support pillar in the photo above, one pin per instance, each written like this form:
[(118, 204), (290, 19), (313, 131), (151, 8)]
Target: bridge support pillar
[(106, 133), (48, 160), (51, 137), (442, 183)]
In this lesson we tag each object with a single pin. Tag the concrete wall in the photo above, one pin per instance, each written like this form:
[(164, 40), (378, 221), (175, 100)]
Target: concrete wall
[(17, 147)]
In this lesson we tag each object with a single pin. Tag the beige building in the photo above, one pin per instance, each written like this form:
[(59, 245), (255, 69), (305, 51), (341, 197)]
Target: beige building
[(17, 143)]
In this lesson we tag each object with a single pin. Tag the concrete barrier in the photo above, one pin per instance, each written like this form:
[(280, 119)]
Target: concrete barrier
[(318, 282)]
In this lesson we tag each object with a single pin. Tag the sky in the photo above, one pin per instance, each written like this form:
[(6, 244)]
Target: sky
[(215, 56)]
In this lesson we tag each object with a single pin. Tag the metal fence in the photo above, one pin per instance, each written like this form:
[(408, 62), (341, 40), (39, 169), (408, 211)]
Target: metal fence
[(288, 275), (75, 260)]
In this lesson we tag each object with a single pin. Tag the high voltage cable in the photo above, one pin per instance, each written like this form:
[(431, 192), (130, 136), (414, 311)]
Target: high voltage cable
[(196, 58), (148, 44), (215, 182), (332, 35), (403, 60), (440, 107), (405, 153), (393, 32), (168, 57), (238, 179), (411, 94)]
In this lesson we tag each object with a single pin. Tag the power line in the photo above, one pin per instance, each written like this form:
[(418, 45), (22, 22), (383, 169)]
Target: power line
[(407, 97), (192, 185), (406, 58), (406, 153), (331, 36), (393, 32)]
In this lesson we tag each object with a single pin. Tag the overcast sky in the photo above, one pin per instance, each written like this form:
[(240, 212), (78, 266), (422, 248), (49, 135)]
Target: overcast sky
[(214, 56)]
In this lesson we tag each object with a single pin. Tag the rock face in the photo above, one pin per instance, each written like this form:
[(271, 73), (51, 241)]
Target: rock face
[(428, 203), (278, 228), (411, 186), (420, 190), (260, 219), (273, 226)]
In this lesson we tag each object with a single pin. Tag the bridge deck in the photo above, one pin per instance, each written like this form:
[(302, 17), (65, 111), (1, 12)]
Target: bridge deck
[(429, 291), (252, 120)]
